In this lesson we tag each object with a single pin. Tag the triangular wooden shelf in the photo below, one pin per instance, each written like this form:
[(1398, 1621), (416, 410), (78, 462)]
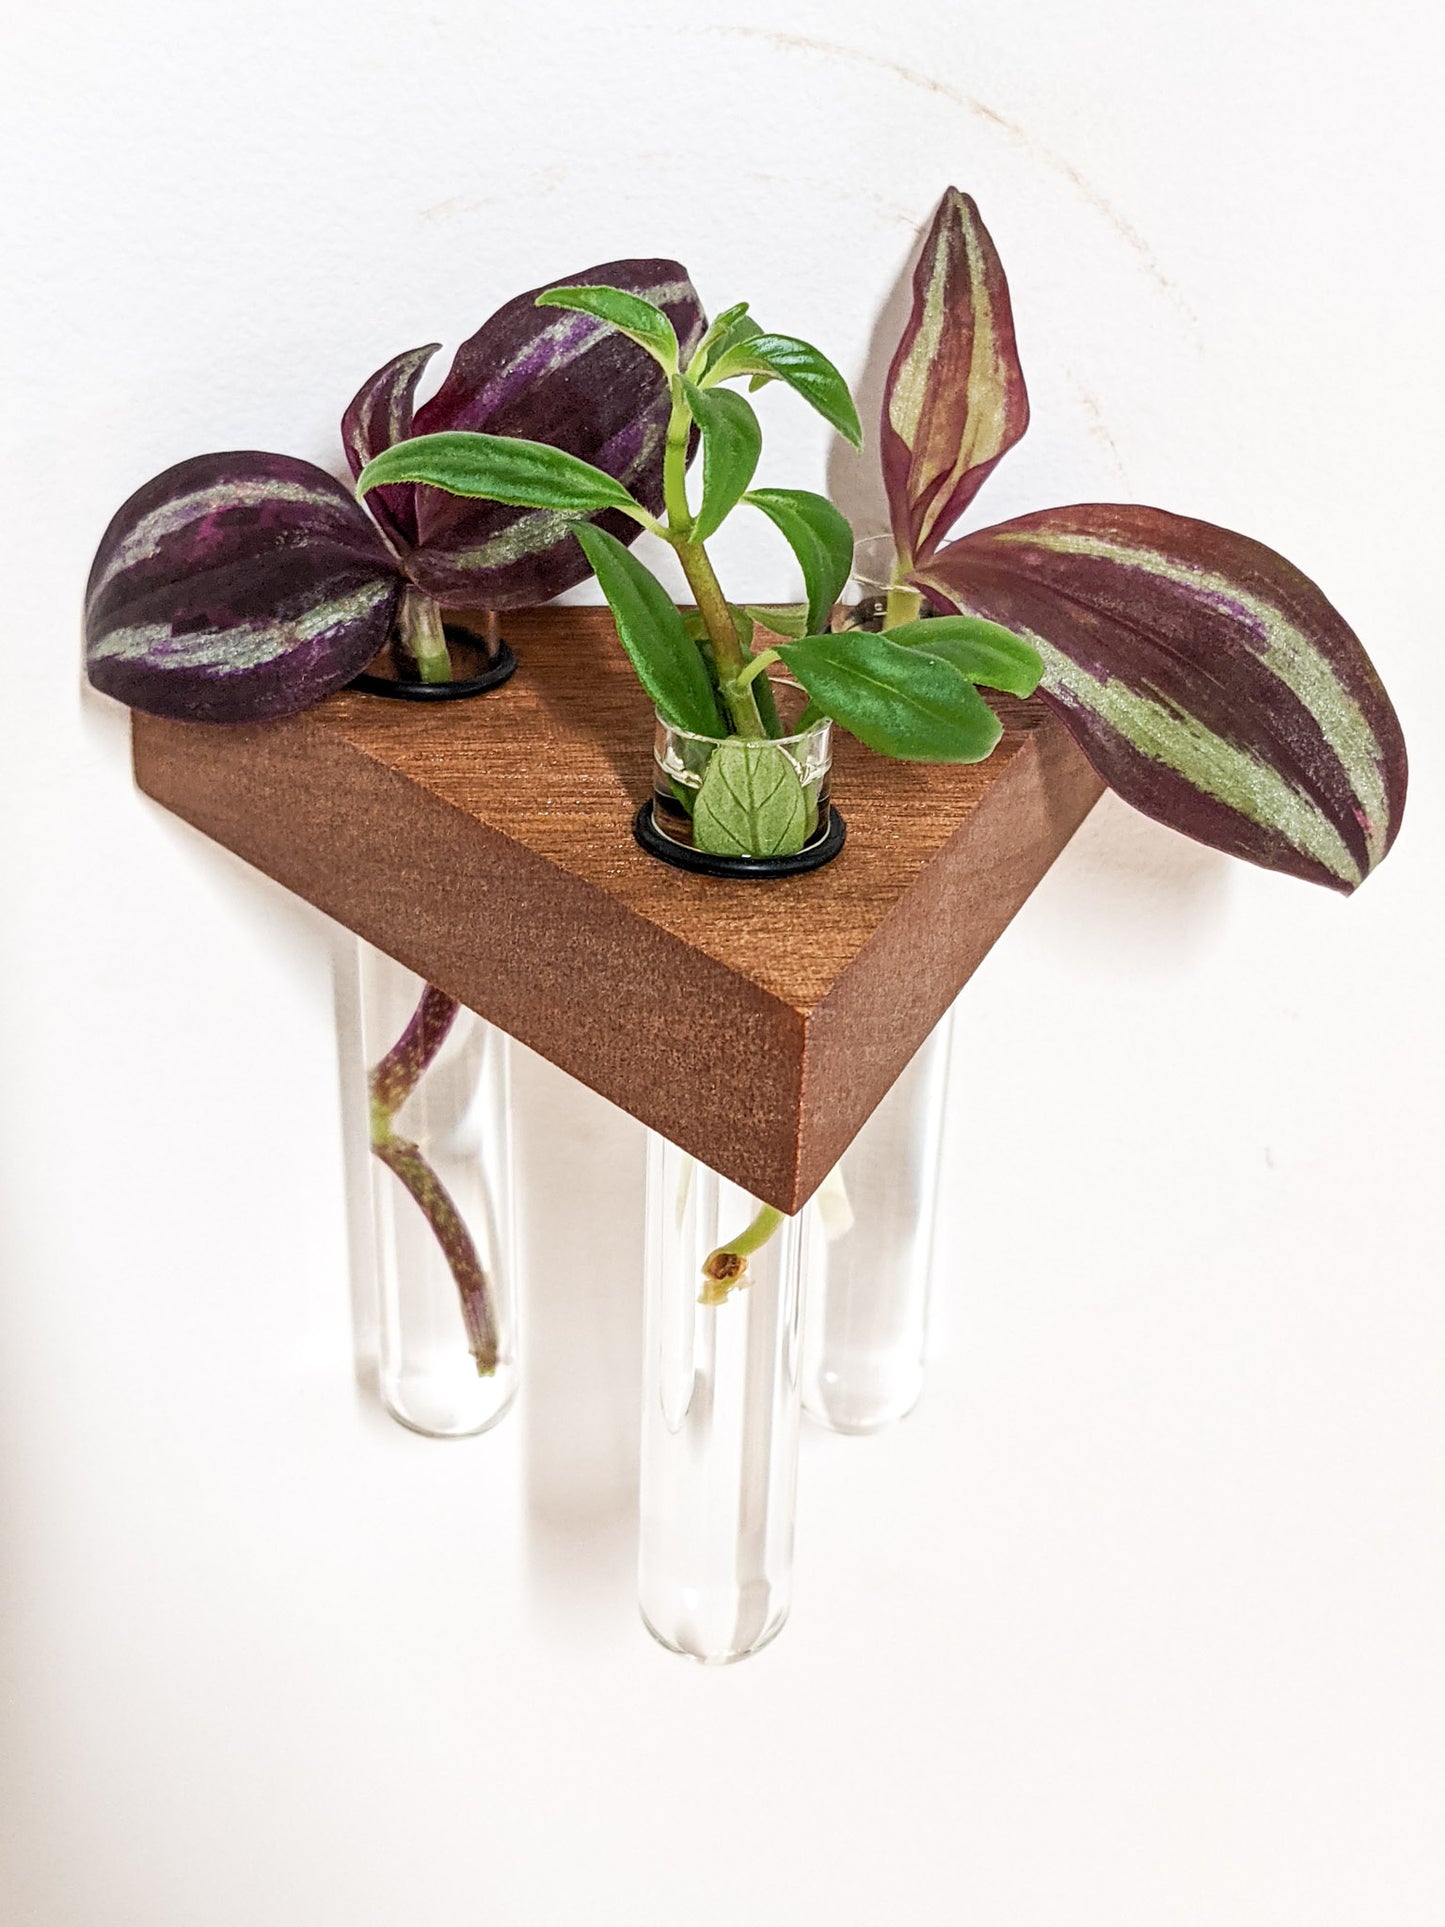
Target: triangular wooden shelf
[(488, 845)]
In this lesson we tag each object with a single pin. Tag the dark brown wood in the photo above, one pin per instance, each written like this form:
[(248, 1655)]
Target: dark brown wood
[(488, 845)]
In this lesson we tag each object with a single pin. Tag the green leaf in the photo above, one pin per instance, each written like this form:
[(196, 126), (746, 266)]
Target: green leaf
[(723, 323), (786, 619), (731, 444), (982, 651), (500, 468), (629, 314), (819, 537), (667, 662), (731, 326), (742, 328), (751, 802), (898, 701), (803, 368), (767, 704), (762, 689)]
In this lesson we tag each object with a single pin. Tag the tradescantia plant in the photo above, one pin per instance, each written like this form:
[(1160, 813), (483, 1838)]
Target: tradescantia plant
[(240, 586), (1209, 682), (909, 692), (562, 378), (244, 586)]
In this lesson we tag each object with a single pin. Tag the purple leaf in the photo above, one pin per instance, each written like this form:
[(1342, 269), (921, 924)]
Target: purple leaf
[(380, 414), (549, 375), (1208, 681), (235, 587), (955, 399)]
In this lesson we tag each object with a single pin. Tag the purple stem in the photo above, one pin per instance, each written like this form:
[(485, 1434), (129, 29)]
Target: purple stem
[(398, 1073), (390, 1085), (403, 1158)]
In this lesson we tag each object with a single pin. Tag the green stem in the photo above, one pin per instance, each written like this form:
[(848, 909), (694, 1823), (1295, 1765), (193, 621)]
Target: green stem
[(674, 467), (729, 656), (728, 653), (756, 668), (904, 605), (730, 659), (423, 636), (727, 1267)]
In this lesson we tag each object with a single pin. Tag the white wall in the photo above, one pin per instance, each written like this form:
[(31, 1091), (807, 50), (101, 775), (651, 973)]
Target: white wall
[(1138, 1620)]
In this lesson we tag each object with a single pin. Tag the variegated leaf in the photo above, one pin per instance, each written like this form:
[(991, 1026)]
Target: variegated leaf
[(235, 587), (559, 376), (381, 414), (955, 399), (1208, 681)]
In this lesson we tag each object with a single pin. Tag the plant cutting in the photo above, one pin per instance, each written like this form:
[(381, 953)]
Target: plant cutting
[(243, 586), (717, 1480), (744, 782), (742, 757), (562, 378), (1209, 682), (246, 586)]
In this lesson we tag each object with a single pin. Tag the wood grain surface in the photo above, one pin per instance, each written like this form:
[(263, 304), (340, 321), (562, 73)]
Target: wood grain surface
[(487, 844)]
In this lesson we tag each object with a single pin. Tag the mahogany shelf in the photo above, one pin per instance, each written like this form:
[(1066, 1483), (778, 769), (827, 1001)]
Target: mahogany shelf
[(487, 844)]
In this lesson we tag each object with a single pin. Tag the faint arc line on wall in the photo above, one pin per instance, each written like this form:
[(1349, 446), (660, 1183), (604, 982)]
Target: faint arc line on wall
[(838, 50)]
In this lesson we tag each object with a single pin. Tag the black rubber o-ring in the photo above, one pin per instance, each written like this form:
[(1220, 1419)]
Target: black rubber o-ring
[(499, 671), (747, 868)]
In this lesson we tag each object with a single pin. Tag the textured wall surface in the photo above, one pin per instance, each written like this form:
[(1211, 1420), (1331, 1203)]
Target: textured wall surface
[(1138, 1619)]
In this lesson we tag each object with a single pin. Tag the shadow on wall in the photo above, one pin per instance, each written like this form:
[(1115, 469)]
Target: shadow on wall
[(579, 1174), (855, 483), (1124, 876), (356, 1166), (580, 1183)]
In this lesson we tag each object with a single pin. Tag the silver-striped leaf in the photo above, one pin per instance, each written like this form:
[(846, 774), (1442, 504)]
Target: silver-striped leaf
[(1208, 681), (955, 400), (235, 587), (380, 415), (547, 375)]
